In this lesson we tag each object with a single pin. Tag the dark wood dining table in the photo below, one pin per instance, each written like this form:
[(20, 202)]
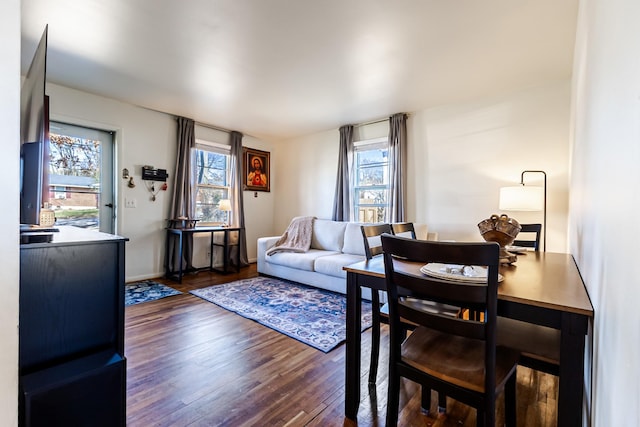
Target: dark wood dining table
[(541, 288)]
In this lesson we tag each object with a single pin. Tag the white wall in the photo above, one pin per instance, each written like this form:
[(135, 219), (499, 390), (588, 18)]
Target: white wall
[(9, 214), (146, 137), (605, 194), (306, 177), (460, 155), (458, 158)]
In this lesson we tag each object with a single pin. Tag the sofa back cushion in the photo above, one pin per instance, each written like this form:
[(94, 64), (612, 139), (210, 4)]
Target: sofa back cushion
[(353, 240), (328, 235)]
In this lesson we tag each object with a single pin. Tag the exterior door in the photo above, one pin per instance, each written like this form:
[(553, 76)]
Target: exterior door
[(81, 179)]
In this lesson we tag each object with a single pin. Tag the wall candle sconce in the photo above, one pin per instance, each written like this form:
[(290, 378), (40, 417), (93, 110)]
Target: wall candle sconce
[(527, 198), (125, 175)]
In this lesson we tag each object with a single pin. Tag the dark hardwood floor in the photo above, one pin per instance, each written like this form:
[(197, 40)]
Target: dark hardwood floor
[(192, 363)]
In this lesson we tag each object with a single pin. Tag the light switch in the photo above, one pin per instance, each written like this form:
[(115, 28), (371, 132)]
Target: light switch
[(130, 203)]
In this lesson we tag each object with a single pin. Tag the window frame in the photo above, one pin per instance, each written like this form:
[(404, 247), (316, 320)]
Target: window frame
[(362, 146), (217, 148)]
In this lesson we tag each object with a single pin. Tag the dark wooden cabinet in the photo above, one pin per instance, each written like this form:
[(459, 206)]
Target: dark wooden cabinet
[(71, 353)]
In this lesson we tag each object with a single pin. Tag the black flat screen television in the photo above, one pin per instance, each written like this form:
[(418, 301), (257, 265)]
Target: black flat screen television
[(34, 138)]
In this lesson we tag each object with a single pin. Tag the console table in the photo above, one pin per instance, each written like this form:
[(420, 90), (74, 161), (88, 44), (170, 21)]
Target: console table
[(179, 233)]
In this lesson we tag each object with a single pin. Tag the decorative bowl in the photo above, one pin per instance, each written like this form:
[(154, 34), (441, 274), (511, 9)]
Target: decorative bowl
[(503, 230)]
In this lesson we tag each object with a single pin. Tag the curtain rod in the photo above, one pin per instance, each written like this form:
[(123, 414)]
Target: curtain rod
[(205, 125), (373, 122)]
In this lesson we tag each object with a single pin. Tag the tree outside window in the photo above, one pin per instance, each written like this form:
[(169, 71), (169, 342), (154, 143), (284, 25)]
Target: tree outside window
[(371, 183), (212, 185)]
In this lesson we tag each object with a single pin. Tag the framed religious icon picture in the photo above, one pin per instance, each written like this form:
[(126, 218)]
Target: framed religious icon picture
[(257, 175)]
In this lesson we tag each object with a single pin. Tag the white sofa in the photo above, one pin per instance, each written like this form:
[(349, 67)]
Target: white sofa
[(334, 245)]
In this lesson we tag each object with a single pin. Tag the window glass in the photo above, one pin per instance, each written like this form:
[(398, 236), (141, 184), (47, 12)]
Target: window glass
[(81, 176), (212, 184), (371, 182)]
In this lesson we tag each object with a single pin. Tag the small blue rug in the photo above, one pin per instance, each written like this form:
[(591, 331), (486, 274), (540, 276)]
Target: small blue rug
[(313, 316), (147, 290)]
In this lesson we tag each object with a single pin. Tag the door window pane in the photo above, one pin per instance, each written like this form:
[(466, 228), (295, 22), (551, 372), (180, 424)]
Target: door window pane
[(75, 169)]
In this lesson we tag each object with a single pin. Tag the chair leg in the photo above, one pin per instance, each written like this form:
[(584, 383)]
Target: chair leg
[(375, 336), (442, 403), (488, 413), (426, 400), (480, 420), (510, 401), (393, 397)]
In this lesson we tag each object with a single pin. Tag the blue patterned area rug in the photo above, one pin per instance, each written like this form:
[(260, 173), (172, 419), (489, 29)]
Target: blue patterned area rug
[(313, 316), (147, 290)]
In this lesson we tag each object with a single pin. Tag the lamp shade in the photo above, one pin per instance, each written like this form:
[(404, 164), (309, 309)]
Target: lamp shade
[(522, 198), (224, 205)]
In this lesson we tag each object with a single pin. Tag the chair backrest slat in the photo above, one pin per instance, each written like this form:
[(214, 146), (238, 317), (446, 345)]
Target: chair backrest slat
[(442, 291), (532, 242), (371, 235), (404, 229), (442, 322)]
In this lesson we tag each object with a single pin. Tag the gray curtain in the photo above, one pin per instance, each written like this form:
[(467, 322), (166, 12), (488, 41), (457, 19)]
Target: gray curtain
[(237, 202), (397, 162), (341, 201), (182, 204)]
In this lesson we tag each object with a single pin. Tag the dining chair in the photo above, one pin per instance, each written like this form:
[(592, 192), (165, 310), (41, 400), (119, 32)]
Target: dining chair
[(372, 247), (539, 346), (454, 356), (532, 238), (404, 229)]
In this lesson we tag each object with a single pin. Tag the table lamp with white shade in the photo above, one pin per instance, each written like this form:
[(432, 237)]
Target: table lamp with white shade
[(526, 198), (225, 206)]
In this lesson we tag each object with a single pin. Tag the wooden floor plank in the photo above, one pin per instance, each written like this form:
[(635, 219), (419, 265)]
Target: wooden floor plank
[(192, 363)]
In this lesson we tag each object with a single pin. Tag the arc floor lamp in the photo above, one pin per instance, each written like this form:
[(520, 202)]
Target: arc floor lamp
[(527, 198)]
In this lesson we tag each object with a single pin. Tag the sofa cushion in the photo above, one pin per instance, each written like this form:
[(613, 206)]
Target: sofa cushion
[(299, 260), (332, 265), (353, 240), (328, 235)]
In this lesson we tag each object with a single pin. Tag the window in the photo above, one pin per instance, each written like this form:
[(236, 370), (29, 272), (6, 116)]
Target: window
[(212, 181), (59, 192), (371, 180)]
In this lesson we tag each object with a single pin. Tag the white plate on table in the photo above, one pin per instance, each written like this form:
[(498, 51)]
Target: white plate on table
[(458, 273)]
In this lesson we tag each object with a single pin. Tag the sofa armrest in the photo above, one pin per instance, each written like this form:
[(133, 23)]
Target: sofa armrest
[(264, 244)]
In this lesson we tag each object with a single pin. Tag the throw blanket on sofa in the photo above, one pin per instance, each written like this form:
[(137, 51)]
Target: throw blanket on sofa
[(297, 236)]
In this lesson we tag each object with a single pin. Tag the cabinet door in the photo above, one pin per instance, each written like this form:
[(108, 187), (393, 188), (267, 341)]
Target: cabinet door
[(89, 391), (70, 302)]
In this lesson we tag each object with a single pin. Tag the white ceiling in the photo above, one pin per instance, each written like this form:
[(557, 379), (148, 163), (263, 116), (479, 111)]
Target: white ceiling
[(275, 69)]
